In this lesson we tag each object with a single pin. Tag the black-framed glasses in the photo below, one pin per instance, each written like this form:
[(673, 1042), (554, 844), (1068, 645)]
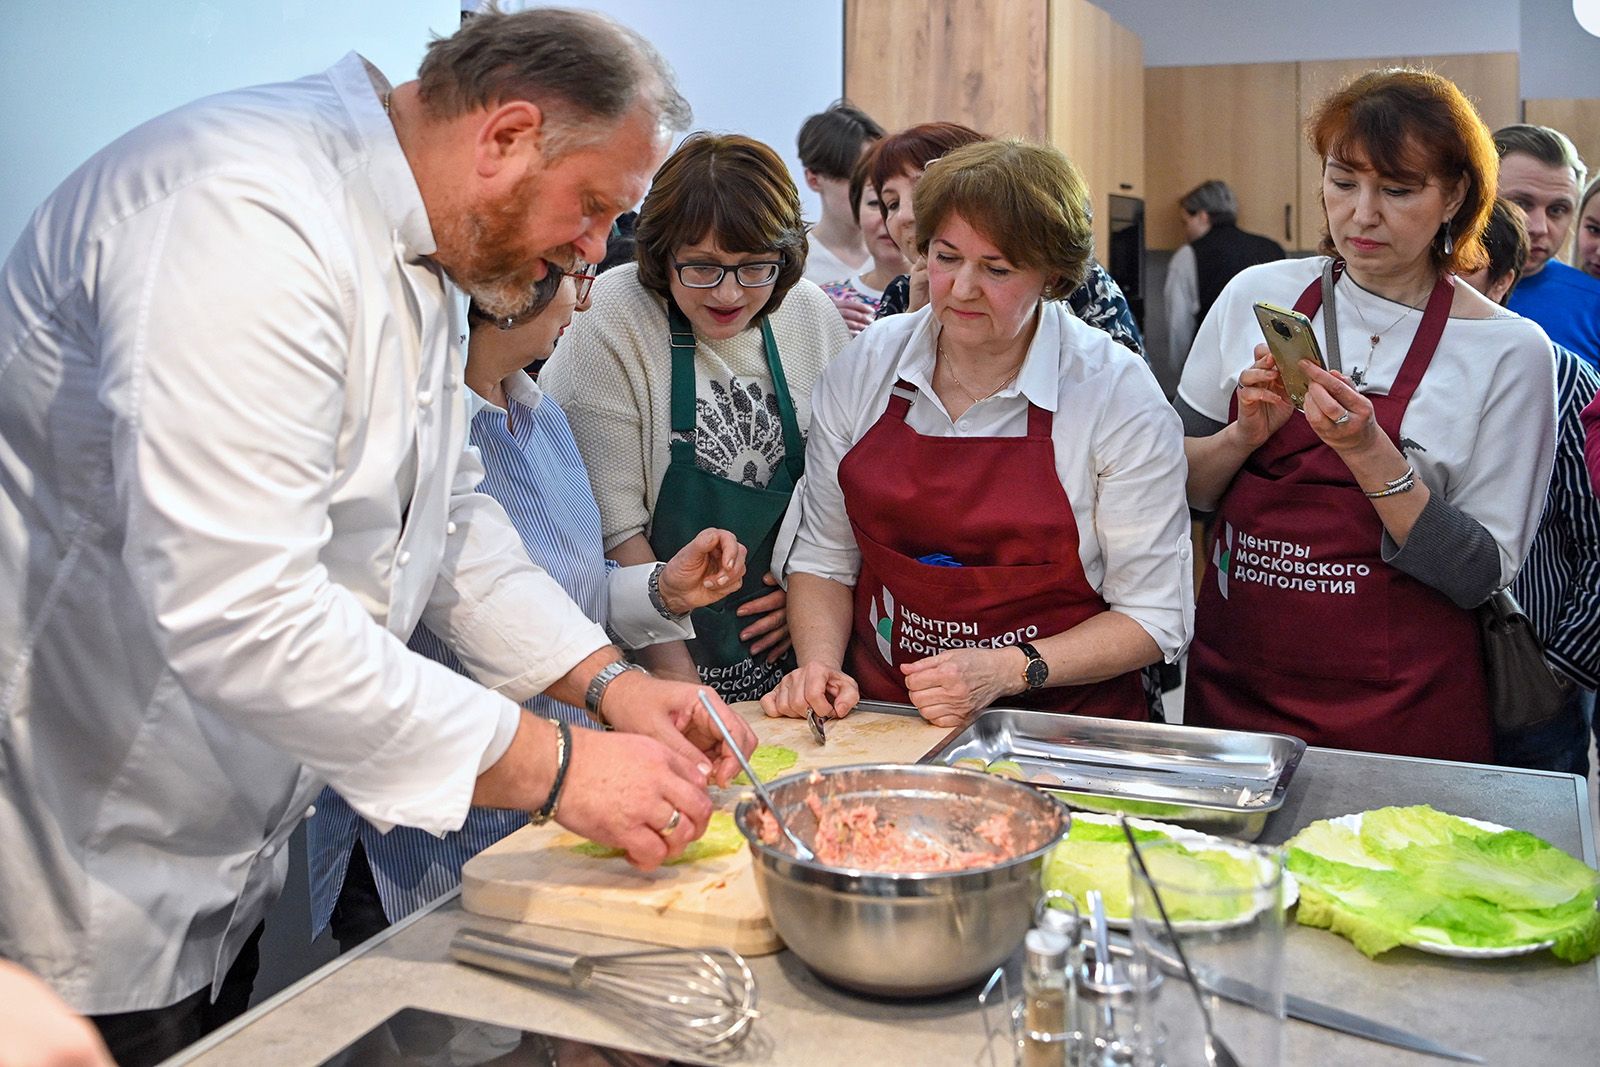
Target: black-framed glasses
[(583, 276), (710, 275)]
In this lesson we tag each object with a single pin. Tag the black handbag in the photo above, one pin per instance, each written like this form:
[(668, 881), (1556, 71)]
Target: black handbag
[(1524, 693)]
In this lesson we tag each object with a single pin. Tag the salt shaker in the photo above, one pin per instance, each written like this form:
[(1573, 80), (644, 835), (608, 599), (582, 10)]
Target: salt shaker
[(1044, 999)]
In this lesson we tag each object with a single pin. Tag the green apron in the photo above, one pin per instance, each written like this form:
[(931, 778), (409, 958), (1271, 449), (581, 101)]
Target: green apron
[(692, 499)]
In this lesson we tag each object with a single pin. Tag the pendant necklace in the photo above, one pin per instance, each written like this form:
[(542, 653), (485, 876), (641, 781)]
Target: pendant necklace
[(949, 368), (1358, 375)]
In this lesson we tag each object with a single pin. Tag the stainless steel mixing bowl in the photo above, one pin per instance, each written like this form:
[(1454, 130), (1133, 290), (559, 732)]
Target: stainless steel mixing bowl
[(912, 934)]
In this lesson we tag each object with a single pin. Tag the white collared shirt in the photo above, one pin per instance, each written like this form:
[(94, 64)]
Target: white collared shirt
[(1118, 446), (234, 480)]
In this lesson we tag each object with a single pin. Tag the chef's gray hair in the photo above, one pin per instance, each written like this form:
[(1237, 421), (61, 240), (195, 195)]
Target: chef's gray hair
[(585, 72)]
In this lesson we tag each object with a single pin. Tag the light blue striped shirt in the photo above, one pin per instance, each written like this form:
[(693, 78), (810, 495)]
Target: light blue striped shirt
[(533, 469)]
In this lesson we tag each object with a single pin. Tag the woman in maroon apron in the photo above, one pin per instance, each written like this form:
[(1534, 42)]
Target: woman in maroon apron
[(1336, 595), (961, 454)]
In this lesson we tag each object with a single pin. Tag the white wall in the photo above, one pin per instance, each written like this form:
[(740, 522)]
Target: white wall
[(756, 67), (1557, 58), (74, 74), (1179, 33)]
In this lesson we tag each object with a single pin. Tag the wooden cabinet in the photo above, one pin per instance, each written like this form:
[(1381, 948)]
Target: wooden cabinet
[(1235, 122), (1245, 124), (978, 62), (1060, 71), (1096, 104)]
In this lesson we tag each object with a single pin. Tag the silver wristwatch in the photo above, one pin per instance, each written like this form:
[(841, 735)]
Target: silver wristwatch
[(653, 588), (595, 695)]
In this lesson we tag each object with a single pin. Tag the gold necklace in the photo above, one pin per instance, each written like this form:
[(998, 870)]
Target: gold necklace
[(949, 368)]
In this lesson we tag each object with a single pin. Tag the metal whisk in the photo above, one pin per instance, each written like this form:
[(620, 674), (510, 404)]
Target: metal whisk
[(701, 999)]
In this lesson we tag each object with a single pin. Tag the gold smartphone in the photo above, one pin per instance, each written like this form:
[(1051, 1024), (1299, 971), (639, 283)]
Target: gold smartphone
[(1291, 341)]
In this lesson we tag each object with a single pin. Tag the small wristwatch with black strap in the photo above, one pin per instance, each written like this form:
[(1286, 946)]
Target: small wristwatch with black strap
[(1037, 671)]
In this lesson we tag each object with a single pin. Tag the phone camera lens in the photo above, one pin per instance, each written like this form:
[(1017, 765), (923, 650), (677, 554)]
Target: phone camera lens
[(1281, 330)]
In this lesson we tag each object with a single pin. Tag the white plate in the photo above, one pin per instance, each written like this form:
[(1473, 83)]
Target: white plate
[(1445, 948), (1197, 841)]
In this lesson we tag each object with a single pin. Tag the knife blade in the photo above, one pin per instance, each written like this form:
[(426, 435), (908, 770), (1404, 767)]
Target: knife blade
[(884, 707), (1317, 1013)]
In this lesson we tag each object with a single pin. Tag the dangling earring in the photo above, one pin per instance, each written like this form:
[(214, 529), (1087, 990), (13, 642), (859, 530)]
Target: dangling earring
[(1449, 242)]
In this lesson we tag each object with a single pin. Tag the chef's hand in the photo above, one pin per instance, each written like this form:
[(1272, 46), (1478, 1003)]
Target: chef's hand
[(1330, 398), (948, 689), (773, 626), (1263, 402), (703, 571), (917, 299), (38, 1029), (856, 314), (670, 712), (828, 691), (622, 789)]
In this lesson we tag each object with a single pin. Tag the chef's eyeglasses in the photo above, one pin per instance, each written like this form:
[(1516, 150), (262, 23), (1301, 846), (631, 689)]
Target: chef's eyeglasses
[(710, 275)]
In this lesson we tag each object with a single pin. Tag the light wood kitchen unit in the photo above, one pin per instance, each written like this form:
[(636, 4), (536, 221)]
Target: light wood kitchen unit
[(1056, 70)]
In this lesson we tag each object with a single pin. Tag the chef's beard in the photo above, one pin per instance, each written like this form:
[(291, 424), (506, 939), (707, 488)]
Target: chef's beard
[(497, 271)]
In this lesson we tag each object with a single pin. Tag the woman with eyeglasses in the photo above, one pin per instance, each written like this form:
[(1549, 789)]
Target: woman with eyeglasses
[(689, 383), (363, 879)]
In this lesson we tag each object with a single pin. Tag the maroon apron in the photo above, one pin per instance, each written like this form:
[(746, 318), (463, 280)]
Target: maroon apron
[(996, 505), (1301, 627)]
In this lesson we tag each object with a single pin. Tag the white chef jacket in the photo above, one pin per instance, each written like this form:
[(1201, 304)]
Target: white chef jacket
[(1118, 448), (232, 482)]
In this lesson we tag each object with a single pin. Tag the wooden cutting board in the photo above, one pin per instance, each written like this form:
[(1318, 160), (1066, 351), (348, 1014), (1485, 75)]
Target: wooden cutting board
[(533, 875)]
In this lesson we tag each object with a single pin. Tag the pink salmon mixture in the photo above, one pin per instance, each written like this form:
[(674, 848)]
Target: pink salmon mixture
[(854, 837)]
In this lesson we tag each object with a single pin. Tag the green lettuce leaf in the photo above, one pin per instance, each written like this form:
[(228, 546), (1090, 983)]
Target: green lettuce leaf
[(1415, 874), (1095, 856), (768, 761), (722, 838)]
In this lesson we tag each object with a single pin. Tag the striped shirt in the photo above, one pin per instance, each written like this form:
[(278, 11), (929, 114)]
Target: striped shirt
[(1559, 585), (533, 469)]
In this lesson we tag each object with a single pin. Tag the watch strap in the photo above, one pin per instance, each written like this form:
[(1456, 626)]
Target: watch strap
[(652, 588), (594, 696)]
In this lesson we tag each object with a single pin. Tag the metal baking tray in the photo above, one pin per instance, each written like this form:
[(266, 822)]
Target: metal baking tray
[(1218, 781)]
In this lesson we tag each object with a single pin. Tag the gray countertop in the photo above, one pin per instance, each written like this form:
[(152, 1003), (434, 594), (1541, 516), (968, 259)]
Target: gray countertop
[(1532, 1009)]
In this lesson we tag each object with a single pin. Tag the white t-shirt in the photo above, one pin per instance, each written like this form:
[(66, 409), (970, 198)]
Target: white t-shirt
[(1118, 447), (1480, 428), (823, 266)]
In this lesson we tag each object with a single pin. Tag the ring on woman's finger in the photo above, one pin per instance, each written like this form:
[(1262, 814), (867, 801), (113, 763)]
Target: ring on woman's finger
[(1342, 419), (672, 823)]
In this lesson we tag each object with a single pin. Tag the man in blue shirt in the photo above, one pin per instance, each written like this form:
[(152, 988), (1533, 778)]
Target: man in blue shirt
[(1541, 173)]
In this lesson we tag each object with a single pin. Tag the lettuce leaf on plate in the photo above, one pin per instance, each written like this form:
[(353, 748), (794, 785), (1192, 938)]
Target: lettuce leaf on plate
[(1416, 875)]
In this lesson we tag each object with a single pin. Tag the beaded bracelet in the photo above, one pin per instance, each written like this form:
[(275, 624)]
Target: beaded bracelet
[(563, 761), (1403, 484)]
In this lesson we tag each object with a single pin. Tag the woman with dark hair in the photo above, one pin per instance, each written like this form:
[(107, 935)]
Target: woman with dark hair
[(994, 504), (897, 164), (866, 287), (1355, 537), (688, 385)]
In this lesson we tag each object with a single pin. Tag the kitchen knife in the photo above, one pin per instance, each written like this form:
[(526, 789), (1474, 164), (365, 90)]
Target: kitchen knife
[(1317, 1013), (884, 707)]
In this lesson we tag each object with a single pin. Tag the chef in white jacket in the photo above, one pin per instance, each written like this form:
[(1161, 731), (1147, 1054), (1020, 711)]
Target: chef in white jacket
[(233, 480)]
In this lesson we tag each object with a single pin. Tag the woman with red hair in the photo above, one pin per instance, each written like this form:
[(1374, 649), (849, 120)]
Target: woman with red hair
[(1354, 538)]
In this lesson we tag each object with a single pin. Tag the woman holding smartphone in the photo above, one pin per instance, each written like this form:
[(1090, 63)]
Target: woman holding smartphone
[(1354, 538)]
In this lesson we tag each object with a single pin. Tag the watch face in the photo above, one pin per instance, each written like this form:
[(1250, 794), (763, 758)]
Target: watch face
[(1038, 673)]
